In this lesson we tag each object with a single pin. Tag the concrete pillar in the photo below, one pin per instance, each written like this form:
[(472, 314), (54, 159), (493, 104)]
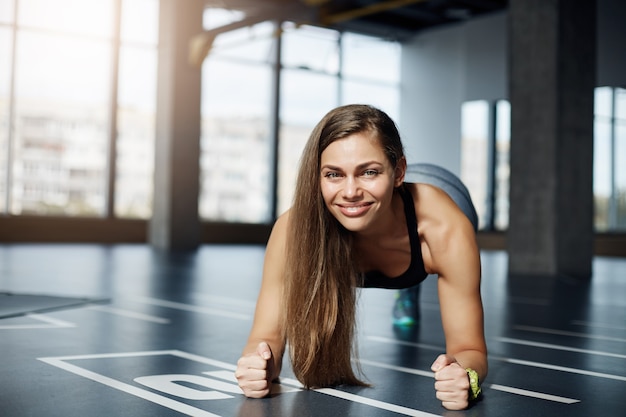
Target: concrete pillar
[(552, 76), (175, 222)]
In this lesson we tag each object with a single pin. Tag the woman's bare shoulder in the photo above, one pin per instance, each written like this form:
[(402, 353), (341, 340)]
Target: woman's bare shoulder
[(441, 225)]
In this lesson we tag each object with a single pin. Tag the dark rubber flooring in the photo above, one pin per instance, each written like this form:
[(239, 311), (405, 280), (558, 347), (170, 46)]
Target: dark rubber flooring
[(168, 341)]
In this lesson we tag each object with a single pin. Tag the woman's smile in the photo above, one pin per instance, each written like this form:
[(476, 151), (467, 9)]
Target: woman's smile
[(354, 210)]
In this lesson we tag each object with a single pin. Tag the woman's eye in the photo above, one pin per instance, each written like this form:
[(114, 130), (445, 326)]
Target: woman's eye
[(331, 175), (370, 173)]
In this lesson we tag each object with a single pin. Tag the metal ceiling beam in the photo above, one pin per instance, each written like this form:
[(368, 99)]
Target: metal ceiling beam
[(382, 6)]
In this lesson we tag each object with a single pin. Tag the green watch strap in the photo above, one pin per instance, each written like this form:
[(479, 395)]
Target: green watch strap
[(474, 390)]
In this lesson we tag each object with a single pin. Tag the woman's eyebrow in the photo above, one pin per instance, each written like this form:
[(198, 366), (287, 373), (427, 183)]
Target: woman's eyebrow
[(360, 166)]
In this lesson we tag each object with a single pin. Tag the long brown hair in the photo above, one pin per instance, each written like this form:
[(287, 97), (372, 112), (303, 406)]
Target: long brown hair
[(321, 273)]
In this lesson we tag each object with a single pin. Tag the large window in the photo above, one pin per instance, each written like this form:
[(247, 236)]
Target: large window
[(610, 159), (346, 68), (78, 107), (475, 142), (370, 73), (136, 109), (57, 75), (487, 173), (485, 142), (236, 142), (309, 89), (244, 76)]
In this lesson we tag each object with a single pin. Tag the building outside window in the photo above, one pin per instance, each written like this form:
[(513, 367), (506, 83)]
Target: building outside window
[(610, 159), (236, 142), (57, 75), (237, 146)]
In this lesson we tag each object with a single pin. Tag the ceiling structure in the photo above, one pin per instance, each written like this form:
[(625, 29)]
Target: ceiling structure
[(390, 19), (397, 20)]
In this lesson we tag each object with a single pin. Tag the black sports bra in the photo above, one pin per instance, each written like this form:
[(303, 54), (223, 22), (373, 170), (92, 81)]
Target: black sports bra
[(416, 272)]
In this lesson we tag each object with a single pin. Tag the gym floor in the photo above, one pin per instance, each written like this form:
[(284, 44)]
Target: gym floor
[(131, 331)]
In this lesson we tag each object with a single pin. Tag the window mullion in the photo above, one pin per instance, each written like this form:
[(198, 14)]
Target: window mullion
[(112, 148), (11, 123)]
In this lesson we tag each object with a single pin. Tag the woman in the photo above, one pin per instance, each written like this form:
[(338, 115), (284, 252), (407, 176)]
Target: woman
[(356, 222)]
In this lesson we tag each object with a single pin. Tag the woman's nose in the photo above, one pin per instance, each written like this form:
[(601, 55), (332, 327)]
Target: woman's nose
[(351, 188)]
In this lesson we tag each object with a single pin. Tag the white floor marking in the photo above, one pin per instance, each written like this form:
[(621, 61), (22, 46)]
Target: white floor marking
[(398, 368), (130, 389), (229, 301), (404, 343), (531, 301), (290, 384), (130, 314), (512, 390), (192, 308), (510, 360), (50, 323), (561, 368), (558, 347), (527, 393), (566, 333), (602, 325), (363, 400)]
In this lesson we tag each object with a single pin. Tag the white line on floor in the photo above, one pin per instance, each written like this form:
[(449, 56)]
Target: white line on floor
[(192, 308), (558, 347), (402, 342), (561, 368), (363, 400), (229, 301), (530, 301), (397, 368), (602, 325), (566, 333), (130, 389), (51, 323), (510, 360), (512, 390), (534, 394), (130, 314)]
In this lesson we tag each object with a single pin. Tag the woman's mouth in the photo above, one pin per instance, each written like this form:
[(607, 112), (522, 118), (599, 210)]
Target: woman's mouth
[(354, 210)]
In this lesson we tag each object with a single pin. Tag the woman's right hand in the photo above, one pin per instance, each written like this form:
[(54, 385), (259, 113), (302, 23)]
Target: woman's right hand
[(254, 372)]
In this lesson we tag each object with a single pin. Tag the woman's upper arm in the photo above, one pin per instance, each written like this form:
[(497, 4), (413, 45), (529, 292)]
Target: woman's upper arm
[(268, 312), (452, 253)]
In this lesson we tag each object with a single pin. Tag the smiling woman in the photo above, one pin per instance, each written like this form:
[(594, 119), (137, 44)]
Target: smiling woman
[(355, 221)]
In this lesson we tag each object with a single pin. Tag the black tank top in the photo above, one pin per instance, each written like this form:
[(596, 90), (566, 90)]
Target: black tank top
[(416, 272)]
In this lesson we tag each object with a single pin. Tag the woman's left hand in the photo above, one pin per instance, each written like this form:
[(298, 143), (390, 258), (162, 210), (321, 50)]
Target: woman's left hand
[(451, 383)]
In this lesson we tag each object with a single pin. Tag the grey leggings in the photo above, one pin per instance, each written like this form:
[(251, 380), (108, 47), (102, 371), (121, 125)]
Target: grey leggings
[(448, 182)]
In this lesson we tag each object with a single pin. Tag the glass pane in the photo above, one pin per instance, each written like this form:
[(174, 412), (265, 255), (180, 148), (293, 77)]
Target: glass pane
[(370, 58), (7, 10), (620, 174), (620, 160), (87, 17), (311, 48), (602, 163), (235, 176), (5, 77), (140, 21), (603, 101), (305, 98), (136, 132), (61, 129), (250, 43), (503, 167), (384, 97), (474, 154), (214, 17)]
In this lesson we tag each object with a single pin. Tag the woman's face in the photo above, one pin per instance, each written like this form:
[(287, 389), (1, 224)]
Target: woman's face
[(357, 181)]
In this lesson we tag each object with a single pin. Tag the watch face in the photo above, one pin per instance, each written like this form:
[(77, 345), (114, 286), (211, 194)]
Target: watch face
[(474, 385)]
